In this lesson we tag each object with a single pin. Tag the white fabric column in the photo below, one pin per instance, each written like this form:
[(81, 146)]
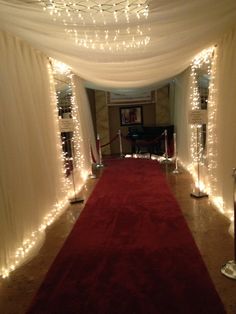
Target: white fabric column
[(85, 117), (32, 184), (181, 110), (223, 146)]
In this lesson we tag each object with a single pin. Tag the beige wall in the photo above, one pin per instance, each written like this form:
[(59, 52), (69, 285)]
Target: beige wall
[(114, 122), (91, 98), (108, 118), (102, 120), (163, 115)]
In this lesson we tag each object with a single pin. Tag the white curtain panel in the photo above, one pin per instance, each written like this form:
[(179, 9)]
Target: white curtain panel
[(178, 30), (32, 183), (222, 144), (181, 111), (85, 117), (221, 132)]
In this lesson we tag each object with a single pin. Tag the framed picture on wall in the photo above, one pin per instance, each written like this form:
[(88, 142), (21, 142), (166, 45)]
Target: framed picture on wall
[(132, 115)]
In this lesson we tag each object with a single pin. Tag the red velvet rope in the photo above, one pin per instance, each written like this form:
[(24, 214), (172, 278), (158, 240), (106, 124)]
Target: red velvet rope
[(141, 142), (154, 141), (112, 140)]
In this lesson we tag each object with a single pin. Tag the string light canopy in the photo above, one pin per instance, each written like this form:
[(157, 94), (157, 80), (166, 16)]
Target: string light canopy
[(113, 25), (88, 9)]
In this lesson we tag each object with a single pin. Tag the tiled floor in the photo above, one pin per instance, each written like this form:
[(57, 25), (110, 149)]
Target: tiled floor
[(209, 228)]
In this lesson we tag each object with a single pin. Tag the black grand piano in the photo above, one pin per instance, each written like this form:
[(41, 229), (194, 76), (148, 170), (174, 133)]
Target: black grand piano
[(151, 139)]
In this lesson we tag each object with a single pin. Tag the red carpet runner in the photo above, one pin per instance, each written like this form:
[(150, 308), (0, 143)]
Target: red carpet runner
[(130, 252)]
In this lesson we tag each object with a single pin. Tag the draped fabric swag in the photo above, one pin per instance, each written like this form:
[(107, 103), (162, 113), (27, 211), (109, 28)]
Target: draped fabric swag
[(178, 30)]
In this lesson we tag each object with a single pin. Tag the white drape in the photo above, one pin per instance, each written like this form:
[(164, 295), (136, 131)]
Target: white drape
[(32, 180), (178, 30), (181, 110), (84, 114), (223, 143), (221, 132)]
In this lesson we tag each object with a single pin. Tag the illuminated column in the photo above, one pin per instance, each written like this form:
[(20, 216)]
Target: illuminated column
[(203, 58)]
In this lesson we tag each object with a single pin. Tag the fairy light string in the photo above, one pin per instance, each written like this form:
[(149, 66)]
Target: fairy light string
[(77, 139), (204, 58), (108, 26), (76, 159), (209, 59), (213, 143), (212, 139), (32, 239)]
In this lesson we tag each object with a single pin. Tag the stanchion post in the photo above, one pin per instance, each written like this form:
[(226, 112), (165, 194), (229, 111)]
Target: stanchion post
[(74, 199), (198, 193), (69, 158), (91, 175), (120, 143), (229, 269), (100, 164), (166, 145), (176, 170), (165, 158)]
